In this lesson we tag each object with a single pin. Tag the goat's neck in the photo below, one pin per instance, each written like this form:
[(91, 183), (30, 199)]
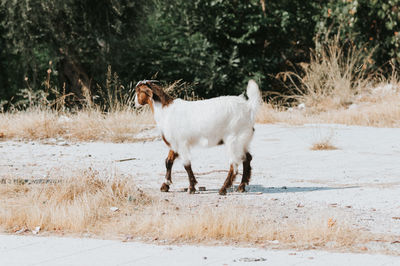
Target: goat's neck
[(160, 96), (158, 112)]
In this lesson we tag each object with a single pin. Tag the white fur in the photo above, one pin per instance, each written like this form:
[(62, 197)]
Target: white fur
[(186, 124)]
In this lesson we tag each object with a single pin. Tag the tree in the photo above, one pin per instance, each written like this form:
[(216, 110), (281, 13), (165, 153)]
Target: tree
[(79, 39)]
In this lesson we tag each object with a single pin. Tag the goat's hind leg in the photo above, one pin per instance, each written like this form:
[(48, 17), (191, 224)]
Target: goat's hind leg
[(192, 179), (246, 173), (229, 179), (168, 164)]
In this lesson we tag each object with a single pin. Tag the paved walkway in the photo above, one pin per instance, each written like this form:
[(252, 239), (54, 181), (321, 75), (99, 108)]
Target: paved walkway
[(36, 250)]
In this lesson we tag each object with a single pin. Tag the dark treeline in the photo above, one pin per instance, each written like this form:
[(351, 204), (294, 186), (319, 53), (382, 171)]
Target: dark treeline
[(215, 45)]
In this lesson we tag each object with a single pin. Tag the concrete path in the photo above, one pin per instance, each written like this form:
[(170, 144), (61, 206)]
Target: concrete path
[(52, 251)]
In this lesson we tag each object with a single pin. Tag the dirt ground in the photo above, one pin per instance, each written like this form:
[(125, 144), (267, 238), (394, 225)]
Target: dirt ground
[(358, 182)]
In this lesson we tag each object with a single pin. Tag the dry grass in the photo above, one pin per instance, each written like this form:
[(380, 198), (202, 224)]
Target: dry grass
[(82, 205), (323, 145), (336, 87), (238, 225), (334, 76), (384, 111), (78, 204), (85, 125)]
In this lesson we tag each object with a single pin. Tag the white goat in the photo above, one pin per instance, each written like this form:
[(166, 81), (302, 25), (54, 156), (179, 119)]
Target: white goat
[(183, 124)]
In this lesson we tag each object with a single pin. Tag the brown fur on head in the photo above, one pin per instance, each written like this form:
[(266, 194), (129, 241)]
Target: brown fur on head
[(144, 94), (147, 92)]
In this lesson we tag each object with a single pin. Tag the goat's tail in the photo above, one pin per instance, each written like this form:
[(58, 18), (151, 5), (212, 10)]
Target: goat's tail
[(254, 94)]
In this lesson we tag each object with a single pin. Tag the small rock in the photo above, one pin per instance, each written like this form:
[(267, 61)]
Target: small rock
[(301, 106), (127, 238), (36, 230), (396, 218), (114, 209), (22, 230), (246, 259), (353, 106), (284, 187), (87, 235), (299, 205), (202, 188)]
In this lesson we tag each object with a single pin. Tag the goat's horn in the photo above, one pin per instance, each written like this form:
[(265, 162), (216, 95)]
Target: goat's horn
[(145, 81)]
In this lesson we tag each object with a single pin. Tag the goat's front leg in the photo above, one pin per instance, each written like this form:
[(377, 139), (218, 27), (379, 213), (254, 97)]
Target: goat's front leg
[(192, 179), (168, 164), (246, 173), (229, 179)]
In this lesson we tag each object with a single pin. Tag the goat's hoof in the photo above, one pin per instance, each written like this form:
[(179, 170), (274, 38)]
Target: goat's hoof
[(241, 188), (222, 192), (192, 190), (164, 187)]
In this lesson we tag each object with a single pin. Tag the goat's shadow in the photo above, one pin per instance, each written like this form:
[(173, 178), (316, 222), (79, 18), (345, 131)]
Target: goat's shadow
[(271, 190), (257, 189)]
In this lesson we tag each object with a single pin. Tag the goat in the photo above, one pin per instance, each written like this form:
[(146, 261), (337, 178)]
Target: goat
[(183, 124)]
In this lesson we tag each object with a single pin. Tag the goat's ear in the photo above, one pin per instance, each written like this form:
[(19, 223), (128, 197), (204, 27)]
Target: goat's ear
[(148, 91), (144, 95)]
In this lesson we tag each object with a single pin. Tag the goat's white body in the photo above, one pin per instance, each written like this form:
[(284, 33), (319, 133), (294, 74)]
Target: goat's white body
[(227, 119)]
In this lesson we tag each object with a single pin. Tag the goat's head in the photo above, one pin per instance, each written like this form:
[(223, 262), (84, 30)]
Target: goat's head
[(144, 93), (147, 92)]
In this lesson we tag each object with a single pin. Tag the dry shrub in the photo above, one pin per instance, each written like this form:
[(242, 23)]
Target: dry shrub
[(84, 125), (384, 113), (78, 204), (237, 224), (323, 145), (271, 114), (324, 140), (335, 75), (335, 87)]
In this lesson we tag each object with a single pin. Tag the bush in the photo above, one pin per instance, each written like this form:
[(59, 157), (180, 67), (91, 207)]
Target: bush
[(215, 45)]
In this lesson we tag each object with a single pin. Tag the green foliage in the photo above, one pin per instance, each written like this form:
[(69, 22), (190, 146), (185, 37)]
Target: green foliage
[(215, 45), (371, 24), (219, 45), (80, 38)]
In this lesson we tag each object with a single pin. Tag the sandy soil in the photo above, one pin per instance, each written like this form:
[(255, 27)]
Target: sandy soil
[(360, 181), (50, 251)]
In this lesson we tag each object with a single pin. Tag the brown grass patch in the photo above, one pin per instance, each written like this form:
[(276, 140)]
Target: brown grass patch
[(385, 112), (83, 204), (323, 145), (78, 204), (337, 87), (83, 125), (238, 225)]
